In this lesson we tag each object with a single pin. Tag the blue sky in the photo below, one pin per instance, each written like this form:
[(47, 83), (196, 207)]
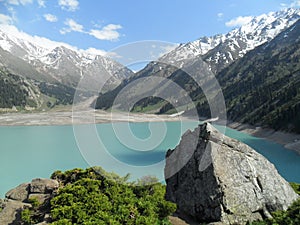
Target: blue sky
[(107, 24)]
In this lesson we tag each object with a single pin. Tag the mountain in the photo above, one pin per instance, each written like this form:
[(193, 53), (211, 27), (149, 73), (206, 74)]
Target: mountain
[(263, 87), (54, 69), (57, 61), (218, 52), (221, 50)]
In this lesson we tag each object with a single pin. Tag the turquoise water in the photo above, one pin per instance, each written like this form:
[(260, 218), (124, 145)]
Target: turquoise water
[(36, 151)]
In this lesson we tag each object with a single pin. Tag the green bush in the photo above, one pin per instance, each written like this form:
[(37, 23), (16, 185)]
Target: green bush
[(26, 217), (89, 197)]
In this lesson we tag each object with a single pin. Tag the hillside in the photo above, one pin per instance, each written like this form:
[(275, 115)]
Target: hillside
[(17, 92), (261, 88), (264, 86), (217, 52)]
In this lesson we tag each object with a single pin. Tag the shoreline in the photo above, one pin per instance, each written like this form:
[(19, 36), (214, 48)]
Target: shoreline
[(288, 140)]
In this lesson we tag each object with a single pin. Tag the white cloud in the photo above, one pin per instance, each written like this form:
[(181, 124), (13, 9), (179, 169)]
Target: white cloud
[(50, 17), (4, 19), (19, 2), (108, 32), (41, 3), (72, 26), (69, 5), (94, 51), (239, 21), (220, 15)]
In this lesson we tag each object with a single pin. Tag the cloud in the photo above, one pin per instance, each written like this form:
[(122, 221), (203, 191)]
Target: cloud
[(41, 3), (4, 19), (72, 26), (94, 51), (108, 32), (220, 15), (239, 21), (50, 18), (69, 5), (19, 2)]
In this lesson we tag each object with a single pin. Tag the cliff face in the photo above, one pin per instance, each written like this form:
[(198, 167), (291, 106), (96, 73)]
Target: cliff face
[(223, 179)]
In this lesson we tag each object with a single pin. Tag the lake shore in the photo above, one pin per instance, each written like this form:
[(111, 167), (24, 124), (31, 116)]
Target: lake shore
[(67, 117), (288, 140)]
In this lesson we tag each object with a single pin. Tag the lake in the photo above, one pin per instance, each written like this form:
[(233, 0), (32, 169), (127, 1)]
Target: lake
[(28, 152)]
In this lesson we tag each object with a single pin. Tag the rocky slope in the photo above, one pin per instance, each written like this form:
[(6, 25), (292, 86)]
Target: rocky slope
[(214, 178)]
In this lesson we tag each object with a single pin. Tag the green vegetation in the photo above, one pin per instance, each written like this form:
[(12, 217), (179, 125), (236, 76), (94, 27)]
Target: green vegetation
[(14, 91), (289, 217), (93, 196), (63, 94)]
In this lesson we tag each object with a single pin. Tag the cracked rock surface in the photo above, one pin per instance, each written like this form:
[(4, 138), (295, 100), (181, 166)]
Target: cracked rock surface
[(214, 178)]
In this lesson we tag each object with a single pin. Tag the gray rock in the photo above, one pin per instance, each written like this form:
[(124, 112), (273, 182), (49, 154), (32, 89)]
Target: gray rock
[(41, 198), (1, 204), (214, 178), (43, 186), (11, 213), (19, 193)]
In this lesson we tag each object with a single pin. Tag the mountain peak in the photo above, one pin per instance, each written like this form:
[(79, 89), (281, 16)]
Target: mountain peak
[(223, 49)]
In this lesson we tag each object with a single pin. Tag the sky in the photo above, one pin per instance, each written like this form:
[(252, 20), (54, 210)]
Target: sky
[(105, 25)]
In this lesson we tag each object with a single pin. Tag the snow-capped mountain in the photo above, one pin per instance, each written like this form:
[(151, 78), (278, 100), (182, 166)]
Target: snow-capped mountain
[(221, 50), (62, 62)]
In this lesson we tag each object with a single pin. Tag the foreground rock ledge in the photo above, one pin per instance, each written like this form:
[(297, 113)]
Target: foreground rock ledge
[(18, 199), (223, 180)]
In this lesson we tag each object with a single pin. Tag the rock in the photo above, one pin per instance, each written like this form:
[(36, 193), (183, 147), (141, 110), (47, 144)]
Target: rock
[(214, 178), (11, 213), (1, 204), (43, 186), (41, 198), (19, 193)]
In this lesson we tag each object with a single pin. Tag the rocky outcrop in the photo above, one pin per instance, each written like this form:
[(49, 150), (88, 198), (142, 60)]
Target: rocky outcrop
[(16, 200), (214, 178)]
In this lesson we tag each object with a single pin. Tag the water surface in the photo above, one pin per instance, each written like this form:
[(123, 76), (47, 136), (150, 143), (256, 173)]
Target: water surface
[(27, 152)]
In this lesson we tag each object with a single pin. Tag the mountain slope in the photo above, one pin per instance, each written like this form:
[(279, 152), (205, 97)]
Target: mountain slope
[(221, 50), (218, 52), (263, 87), (17, 92), (59, 62)]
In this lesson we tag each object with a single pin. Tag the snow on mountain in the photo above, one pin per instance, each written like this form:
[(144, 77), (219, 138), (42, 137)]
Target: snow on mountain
[(221, 50), (61, 61)]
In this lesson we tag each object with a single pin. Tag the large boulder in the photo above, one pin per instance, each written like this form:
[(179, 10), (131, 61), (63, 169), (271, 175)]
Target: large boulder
[(214, 178)]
